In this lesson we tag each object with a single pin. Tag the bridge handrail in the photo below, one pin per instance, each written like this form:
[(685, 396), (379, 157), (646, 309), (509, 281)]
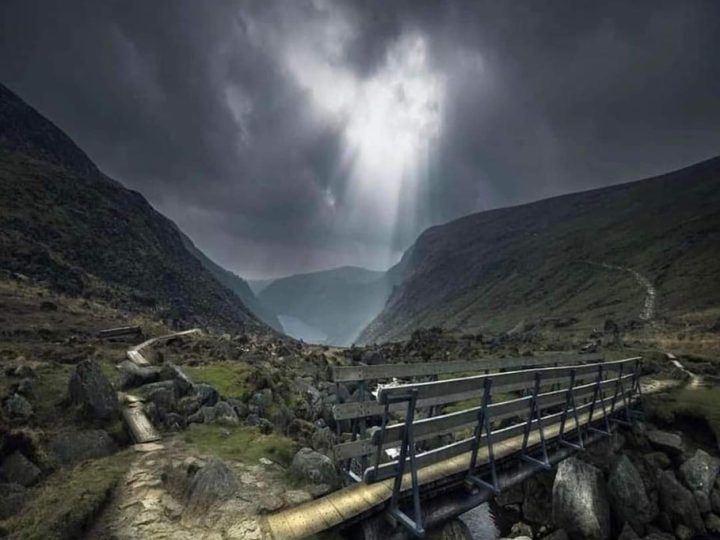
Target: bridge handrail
[(505, 381), (389, 371)]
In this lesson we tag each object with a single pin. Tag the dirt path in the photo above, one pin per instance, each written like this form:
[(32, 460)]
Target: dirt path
[(648, 311)]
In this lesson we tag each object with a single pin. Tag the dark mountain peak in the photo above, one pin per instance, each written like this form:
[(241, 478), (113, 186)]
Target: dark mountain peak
[(24, 130)]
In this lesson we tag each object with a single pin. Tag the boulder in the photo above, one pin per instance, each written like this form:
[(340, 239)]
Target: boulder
[(703, 502), (628, 497), (263, 398), (89, 388), (207, 394), (678, 502), (628, 533), (26, 387), (225, 414), (170, 372), (174, 422), (132, 375), (12, 499), (715, 500), (700, 471), (658, 460), (18, 409), (314, 467), (712, 523), (18, 469), (665, 441), (211, 483), (206, 415), (683, 533), (579, 501), (71, 447)]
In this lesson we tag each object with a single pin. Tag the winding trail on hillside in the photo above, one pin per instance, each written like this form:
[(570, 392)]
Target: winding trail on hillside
[(648, 312)]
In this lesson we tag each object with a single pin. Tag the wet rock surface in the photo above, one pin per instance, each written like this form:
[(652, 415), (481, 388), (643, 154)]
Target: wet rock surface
[(89, 388)]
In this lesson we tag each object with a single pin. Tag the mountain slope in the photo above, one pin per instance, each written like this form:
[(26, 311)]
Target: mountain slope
[(69, 227), (236, 284), (330, 306), (553, 258)]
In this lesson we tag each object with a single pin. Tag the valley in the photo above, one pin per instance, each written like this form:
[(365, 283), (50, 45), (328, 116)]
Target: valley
[(243, 412)]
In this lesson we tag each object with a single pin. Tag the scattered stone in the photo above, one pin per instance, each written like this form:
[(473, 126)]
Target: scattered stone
[(213, 482), (225, 414), (659, 460), (174, 422), (715, 500), (18, 409), (314, 467), (90, 389), (678, 502), (579, 500), (12, 499), (294, 497), (702, 501), (26, 387), (521, 530), (628, 533), (671, 443), (700, 471), (683, 533), (18, 469), (455, 529), (265, 426), (71, 447), (207, 394), (269, 502), (628, 497), (206, 415), (170, 372)]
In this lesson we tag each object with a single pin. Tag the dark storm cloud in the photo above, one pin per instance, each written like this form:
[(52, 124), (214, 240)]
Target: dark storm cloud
[(194, 104)]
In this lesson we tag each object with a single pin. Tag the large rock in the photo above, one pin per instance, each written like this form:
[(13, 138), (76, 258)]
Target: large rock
[(672, 443), (314, 467), (12, 499), (90, 389), (71, 447), (213, 482), (225, 414), (18, 469), (579, 501), (700, 471), (207, 394), (679, 503), (18, 409), (628, 497), (170, 372), (132, 375)]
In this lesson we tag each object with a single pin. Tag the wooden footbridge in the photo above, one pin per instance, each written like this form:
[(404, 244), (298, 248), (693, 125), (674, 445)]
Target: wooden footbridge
[(439, 446)]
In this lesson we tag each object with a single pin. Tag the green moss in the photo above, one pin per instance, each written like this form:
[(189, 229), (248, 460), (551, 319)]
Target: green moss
[(228, 378), (244, 444), (67, 503)]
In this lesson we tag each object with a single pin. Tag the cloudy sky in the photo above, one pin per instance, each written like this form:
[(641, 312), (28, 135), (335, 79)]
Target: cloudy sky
[(293, 135)]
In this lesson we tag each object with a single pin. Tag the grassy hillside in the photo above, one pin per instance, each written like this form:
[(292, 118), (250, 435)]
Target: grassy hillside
[(66, 226), (556, 259)]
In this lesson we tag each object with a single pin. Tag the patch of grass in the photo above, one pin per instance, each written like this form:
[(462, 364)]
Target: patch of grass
[(244, 444), (699, 402), (228, 378), (67, 503)]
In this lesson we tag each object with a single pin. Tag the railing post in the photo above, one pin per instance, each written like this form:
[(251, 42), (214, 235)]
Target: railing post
[(598, 392), (570, 400), (483, 423), (535, 413), (407, 453)]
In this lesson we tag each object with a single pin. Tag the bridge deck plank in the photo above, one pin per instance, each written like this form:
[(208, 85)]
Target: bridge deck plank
[(313, 517)]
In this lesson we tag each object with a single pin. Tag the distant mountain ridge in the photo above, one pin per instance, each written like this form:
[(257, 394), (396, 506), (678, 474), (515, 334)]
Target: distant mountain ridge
[(68, 226), (493, 270), (335, 303)]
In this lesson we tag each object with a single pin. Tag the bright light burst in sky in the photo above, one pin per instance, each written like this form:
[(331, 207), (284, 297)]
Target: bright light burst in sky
[(391, 120)]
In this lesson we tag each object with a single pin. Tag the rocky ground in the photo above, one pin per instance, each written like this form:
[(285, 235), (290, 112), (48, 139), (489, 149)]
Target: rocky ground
[(247, 428)]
